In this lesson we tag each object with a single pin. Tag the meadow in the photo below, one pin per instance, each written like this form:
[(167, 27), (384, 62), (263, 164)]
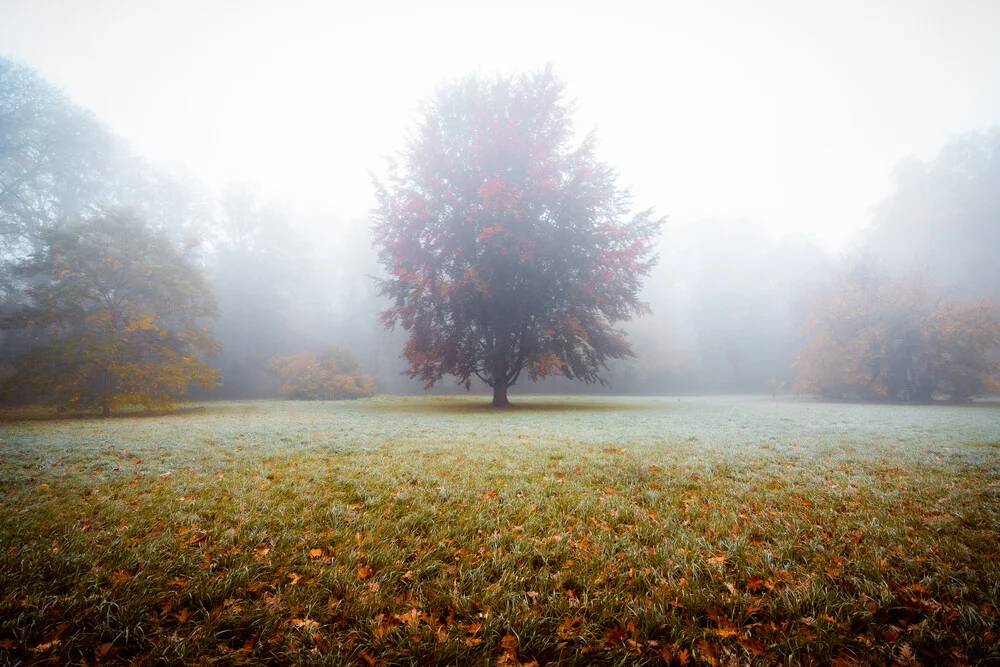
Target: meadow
[(567, 530)]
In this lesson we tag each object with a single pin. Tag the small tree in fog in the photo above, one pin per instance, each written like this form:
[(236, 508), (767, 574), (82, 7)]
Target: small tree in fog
[(509, 248), (331, 375), (117, 316)]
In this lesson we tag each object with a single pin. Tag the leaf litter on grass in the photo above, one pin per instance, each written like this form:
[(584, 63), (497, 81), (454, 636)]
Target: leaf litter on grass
[(593, 530)]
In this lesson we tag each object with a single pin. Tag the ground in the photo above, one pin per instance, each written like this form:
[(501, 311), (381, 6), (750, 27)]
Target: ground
[(566, 530)]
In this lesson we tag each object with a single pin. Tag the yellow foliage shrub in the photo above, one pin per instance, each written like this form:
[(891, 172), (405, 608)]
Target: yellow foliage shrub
[(331, 375)]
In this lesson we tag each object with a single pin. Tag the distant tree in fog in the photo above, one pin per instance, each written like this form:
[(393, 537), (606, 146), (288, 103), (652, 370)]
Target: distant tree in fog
[(731, 300), (944, 217), (509, 249), (117, 313), (59, 162), (873, 337), (254, 277), (53, 155)]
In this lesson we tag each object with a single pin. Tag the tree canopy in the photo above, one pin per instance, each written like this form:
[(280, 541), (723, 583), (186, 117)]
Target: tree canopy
[(509, 248), (872, 337), (52, 157), (944, 217), (117, 314)]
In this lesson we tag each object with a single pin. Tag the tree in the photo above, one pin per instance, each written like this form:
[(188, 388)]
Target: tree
[(117, 313), (944, 217), (53, 157), (331, 375), (255, 279), (876, 338), (509, 249), (57, 163)]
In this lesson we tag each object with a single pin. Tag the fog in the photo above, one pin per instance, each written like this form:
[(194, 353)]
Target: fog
[(788, 145)]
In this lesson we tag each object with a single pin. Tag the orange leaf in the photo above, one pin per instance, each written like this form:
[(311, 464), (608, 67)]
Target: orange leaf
[(315, 553), (706, 652), (752, 646), (101, 650)]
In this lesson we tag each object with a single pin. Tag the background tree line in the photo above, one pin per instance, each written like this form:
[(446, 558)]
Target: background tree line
[(909, 306)]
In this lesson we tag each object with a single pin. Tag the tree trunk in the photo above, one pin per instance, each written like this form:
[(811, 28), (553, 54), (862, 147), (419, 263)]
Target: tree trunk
[(500, 394), (500, 379)]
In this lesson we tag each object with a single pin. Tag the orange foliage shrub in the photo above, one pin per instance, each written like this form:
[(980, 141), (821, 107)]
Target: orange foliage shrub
[(891, 339), (331, 375)]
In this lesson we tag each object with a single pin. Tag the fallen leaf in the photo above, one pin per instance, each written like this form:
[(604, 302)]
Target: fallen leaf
[(47, 646), (101, 650), (706, 652), (752, 646), (315, 553)]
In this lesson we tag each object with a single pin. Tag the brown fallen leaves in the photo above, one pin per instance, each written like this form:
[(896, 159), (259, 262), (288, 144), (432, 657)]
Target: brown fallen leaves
[(509, 644)]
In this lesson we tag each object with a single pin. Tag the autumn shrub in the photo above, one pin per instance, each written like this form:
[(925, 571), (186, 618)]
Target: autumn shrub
[(331, 375), (872, 337)]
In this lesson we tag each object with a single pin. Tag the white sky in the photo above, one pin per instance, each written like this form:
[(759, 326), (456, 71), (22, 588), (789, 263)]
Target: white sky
[(789, 113)]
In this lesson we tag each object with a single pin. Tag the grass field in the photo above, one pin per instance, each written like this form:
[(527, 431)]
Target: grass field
[(566, 530)]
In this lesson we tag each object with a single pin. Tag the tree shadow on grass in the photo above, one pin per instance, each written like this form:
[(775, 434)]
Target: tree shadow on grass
[(519, 405), (41, 413)]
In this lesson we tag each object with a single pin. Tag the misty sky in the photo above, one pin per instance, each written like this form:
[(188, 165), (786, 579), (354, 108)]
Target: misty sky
[(791, 114)]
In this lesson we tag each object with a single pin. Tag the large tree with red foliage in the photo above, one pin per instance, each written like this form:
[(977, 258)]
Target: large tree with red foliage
[(510, 249)]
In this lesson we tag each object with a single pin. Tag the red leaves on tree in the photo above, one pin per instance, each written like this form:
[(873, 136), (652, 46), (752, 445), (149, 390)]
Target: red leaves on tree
[(507, 248)]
